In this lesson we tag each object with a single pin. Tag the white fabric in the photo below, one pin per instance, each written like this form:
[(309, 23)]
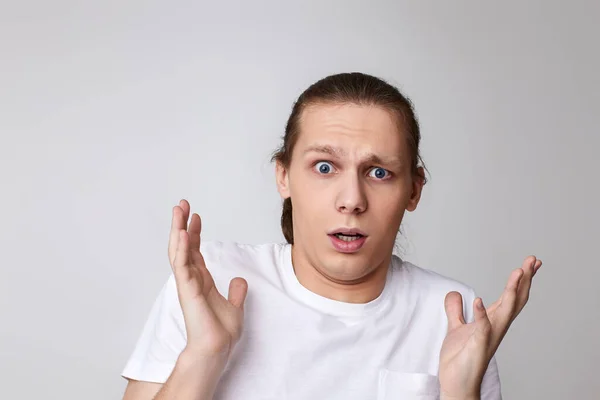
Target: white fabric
[(299, 345)]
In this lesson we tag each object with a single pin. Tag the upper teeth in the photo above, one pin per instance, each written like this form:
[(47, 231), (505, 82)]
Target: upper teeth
[(347, 238)]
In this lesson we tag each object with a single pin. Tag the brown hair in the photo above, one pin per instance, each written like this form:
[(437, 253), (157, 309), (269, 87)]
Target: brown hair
[(357, 88)]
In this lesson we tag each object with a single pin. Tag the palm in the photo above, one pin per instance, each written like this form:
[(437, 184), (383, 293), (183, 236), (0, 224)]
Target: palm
[(213, 323), (469, 347), (461, 350)]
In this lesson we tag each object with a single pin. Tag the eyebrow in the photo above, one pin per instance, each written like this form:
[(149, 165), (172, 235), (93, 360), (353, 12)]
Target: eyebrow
[(339, 153)]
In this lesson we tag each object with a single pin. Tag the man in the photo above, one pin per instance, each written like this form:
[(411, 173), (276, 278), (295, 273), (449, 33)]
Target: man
[(332, 313)]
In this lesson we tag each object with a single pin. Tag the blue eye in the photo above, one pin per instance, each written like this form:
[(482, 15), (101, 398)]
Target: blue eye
[(324, 167), (378, 173)]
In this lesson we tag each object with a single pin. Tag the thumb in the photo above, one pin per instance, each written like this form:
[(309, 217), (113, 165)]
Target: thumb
[(238, 288), (484, 326), (454, 310)]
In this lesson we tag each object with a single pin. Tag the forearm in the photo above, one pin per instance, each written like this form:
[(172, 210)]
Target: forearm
[(192, 378)]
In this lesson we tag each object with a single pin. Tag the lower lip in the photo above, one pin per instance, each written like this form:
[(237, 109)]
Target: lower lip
[(347, 247)]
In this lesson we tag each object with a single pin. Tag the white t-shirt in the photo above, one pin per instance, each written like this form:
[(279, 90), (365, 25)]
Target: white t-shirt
[(297, 345)]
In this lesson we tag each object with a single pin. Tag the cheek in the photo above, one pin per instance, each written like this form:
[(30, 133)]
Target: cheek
[(309, 192), (310, 202), (389, 207), (391, 198)]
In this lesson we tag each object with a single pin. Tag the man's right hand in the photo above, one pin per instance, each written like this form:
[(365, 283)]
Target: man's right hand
[(213, 323)]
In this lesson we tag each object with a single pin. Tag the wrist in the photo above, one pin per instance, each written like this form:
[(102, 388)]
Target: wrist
[(201, 372), (194, 377), (190, 360)]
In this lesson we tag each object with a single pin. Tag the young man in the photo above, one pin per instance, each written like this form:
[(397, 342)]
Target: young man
[(332, 313)]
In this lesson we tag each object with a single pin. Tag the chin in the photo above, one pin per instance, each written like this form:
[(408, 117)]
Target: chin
[(360, 262)]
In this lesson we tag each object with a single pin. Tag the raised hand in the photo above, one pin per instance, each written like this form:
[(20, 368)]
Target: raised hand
[(469, 347), (213, 323)]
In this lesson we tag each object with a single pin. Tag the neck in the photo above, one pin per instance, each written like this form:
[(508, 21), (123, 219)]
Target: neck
[(359, 290)]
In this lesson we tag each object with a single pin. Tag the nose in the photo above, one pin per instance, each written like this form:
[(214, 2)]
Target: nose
[(351, 196)]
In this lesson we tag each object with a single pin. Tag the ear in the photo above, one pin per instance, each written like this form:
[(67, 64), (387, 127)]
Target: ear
[(417, 189), (282, 179)]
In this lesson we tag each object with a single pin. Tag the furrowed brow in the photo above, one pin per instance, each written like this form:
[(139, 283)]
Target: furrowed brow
[(325, 149), (369, 158)]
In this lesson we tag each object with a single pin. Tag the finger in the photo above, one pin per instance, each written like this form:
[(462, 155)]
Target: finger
[(538, 265), (238, 288), (508, 299), (194, 230), (513, 280), (479, 311), (525, 283), (177, 224), (185, 206), (195, 241), (454, 310), (482, 322), (181, 262)]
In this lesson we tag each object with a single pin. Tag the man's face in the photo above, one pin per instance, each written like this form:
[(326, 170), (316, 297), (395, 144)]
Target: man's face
[(350, 169)]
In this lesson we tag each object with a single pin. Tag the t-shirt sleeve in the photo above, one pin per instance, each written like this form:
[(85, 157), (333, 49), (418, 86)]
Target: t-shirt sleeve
[(161, 341)]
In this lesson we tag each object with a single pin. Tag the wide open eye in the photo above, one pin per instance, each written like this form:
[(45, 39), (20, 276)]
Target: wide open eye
[(324, 167), (379, 173)]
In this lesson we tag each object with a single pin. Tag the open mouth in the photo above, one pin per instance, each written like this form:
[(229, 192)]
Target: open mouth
[(347, 240), (347, 237)]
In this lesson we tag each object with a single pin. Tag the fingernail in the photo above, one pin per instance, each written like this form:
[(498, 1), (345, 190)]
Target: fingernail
[(480, 304)]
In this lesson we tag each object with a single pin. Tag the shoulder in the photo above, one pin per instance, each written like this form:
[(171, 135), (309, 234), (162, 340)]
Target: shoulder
[(430, 286), (228, 259), (428, 279), (229, 254)]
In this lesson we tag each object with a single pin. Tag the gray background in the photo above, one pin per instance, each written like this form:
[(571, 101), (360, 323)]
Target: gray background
[(112, 111)]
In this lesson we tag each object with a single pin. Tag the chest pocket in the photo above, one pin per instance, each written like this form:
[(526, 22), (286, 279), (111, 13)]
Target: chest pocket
[(395, 385)]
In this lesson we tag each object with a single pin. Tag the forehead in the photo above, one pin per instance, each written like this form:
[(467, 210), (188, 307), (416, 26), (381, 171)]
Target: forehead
[(353, 128)]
